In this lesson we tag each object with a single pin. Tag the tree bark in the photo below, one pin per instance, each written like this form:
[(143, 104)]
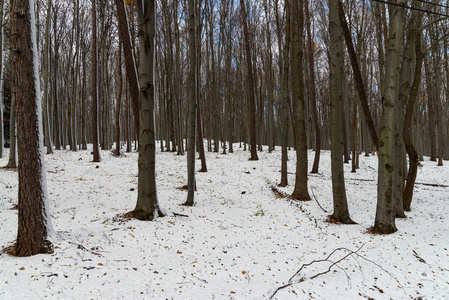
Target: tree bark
[(147, 207), (47, 137), (34, 226), (358, 78), (406, 131), (431, 114), (130, 63), (12, 161), (385, 211), (192, 106), (118, 102), (312, 87), (252, 99), (297, 81), (341, 211), (2, 140), (96, 149)]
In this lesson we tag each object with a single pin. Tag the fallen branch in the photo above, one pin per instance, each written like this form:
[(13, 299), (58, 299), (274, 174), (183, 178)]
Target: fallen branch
[(179, 215), (86, 249), (316, 199), (327, 259)]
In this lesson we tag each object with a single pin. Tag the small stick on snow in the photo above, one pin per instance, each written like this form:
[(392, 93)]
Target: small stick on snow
[(316, 199), (84, 248), (180, 215)]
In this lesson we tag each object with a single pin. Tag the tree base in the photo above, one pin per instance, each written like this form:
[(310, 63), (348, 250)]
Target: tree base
[(340, 220), (383, 229), (301, 196), (24, 251), (401, 215), (143, 215)]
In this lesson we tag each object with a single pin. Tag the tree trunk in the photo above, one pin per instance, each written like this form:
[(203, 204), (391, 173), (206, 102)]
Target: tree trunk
[(118, 102), (405, 83), (299, 128), (312, 87), (47, 138), (385, 211), (56, 125), (96, 149), (12, 162), (130, 63), (192, 105), (34, 223), (2, 140), (358, 78), (341, 211), (433, 151), (252, 99), (147, 207), (406, 131)]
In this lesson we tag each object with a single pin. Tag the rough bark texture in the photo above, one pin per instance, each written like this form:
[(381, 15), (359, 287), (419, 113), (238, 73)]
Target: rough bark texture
[(34, 219), (147, 207), (252, 99), (12, 161), (341, 211), (191, 127), (96, 149), (297, 81)]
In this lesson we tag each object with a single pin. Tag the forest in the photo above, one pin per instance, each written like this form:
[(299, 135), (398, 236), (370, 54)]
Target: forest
[(267, 142)]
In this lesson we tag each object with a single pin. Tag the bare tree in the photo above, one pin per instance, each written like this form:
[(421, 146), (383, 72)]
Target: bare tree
[(297, 81), (341, 211), (94, 124), (385, 211), (191, 127), (147, 207), (252, 99), (34, 227)]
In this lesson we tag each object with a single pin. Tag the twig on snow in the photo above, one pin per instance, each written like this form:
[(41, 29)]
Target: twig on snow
[(316, 199), (84, 248), (327, 259), (179, 215)]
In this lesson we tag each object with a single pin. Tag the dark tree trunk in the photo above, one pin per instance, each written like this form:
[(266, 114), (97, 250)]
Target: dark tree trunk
[(118, 103), (94, 124), (12, 162), (147, 207), (300, 191), (34, 218), (341, 211), (252, 99), (433, 151), (130, 64), (358, 78), (191, 129), (316, 123)]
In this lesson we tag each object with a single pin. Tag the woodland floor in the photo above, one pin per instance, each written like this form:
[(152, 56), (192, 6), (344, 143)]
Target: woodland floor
[(240, 241)]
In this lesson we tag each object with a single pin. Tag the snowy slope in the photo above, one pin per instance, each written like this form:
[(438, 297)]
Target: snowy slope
[(241, 240)]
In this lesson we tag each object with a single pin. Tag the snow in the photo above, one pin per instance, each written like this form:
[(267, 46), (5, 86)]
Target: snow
[(241, 241)]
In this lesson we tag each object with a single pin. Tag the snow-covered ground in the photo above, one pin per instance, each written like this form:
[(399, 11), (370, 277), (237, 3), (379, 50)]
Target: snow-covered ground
[(241, 240)]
